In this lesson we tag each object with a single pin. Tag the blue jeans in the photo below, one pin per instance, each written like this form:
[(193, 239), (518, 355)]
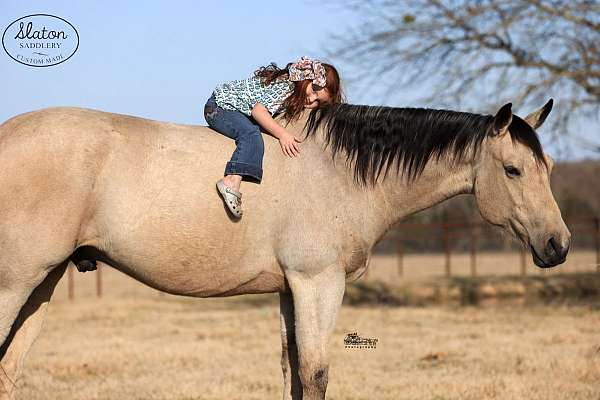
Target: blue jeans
[(246, 160)]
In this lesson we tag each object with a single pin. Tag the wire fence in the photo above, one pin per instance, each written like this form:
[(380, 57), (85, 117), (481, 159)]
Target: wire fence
[(474, 237)]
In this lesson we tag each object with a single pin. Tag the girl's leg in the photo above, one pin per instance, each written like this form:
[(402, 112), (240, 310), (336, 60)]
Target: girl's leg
[(233, 180), (246, 160), (210, 112)]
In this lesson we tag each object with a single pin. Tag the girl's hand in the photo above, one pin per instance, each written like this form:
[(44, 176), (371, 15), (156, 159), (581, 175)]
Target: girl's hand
[(289, 144)]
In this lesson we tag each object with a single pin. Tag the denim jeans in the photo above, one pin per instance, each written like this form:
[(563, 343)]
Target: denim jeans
[(246, 160)]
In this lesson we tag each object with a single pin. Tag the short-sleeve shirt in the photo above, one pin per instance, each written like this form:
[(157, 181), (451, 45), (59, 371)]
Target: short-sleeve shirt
[(242, 95)]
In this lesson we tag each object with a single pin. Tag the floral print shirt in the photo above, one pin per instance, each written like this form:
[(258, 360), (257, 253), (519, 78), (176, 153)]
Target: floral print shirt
[(242, 95)]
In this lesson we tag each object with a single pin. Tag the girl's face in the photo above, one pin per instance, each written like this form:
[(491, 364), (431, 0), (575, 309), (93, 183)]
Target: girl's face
[(316, 96)]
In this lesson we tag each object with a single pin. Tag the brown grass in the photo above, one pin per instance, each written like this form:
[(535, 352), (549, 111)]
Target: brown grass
[(137, 344)]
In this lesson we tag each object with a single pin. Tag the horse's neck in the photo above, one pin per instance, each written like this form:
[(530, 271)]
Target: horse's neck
[(439, 181), (391, 199), (398, 199)]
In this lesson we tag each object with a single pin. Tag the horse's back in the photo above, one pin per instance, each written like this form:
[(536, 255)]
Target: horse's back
[(64, 155), (85, 124)]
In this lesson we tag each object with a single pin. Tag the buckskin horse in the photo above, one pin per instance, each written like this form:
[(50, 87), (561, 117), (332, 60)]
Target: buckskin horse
[(81, 185)]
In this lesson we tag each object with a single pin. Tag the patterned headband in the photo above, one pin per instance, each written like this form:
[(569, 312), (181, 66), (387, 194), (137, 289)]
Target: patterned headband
[(305, 68)]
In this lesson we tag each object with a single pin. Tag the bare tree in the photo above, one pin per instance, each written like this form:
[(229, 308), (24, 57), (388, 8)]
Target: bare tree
[(480, 54)]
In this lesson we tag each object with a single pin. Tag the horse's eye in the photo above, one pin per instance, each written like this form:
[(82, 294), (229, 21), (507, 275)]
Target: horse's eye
[(511, 171)]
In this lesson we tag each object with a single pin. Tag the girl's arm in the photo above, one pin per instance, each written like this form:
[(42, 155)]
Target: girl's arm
[(266, 121), (288, 142)]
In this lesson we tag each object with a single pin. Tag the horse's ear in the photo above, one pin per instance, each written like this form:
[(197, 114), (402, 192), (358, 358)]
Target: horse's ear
[(502, 120), (537, 118)]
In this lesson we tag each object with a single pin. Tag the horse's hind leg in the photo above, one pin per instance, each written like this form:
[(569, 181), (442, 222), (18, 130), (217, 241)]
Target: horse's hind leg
[(13, 295), (24, 331)]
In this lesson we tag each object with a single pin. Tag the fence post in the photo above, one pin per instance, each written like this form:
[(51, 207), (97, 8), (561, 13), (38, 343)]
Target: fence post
[(70, 282), (523, 261), (597, 234), (446, 238), (99, 280), (400, 255), (474, 241)]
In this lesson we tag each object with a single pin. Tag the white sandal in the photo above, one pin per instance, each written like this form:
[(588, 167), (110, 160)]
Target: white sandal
[(232, 198)]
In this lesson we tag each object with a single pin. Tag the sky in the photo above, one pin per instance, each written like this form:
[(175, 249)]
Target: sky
[(161, 60)]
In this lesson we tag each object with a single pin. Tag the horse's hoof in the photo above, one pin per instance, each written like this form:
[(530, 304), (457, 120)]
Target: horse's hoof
[(86, 265)]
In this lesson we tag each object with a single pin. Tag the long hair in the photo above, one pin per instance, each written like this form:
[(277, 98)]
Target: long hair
[(374, 137), (293, 105)]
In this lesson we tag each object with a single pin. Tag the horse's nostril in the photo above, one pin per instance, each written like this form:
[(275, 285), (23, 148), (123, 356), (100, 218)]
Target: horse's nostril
[(555, 251), (553, 245), (558, 250)]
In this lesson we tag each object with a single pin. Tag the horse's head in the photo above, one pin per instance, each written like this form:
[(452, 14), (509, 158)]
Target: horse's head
[(512, 186)]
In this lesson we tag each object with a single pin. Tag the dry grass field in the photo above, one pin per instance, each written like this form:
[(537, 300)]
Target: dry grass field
[(137, 344)]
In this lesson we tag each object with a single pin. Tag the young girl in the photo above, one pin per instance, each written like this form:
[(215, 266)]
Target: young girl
[(240, 108)]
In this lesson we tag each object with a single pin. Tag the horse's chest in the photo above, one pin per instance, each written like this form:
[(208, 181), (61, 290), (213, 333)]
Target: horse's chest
[(357, 264)]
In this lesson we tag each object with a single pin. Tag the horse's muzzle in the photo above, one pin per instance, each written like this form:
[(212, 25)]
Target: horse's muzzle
[(554, 253)]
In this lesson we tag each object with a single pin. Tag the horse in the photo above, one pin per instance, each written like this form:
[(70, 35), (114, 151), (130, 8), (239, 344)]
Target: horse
[(82, 185)]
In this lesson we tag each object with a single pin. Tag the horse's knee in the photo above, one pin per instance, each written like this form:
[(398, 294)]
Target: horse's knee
[(314, 381), (320, 378)]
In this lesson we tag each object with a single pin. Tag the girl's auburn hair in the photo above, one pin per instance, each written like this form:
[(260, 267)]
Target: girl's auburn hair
[(293, 105)]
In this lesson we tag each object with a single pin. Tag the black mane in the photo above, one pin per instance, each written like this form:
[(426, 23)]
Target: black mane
[(378, 136)]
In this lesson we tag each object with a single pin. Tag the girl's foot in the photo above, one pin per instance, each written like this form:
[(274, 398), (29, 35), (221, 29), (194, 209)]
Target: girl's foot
[(233, 181), (232, 198)]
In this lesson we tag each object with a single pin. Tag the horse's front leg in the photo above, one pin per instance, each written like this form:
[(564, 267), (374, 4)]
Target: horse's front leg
[(316, 303), (292, 386)]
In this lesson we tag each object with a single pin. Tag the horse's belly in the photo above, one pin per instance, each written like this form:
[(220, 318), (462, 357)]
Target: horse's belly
[(216, 281), (204, 285), (202, 276)]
